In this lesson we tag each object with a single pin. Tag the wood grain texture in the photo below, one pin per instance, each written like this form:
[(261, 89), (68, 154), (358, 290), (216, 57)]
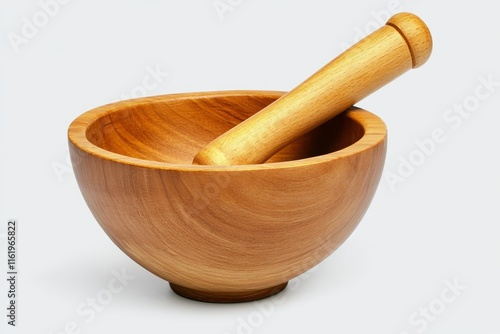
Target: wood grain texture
[(223, 233), (403, 43)]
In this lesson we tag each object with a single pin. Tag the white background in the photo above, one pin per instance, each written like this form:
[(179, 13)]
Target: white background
[(440, 225)]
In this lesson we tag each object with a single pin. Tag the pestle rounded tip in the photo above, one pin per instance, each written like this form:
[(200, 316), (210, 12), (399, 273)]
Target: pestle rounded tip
[(417, 36)]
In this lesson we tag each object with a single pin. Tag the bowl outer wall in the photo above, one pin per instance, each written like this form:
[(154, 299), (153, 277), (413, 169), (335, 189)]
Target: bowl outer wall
[(231, 228)]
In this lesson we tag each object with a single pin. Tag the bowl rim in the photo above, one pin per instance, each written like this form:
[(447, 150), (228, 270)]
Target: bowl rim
[(375, 131)]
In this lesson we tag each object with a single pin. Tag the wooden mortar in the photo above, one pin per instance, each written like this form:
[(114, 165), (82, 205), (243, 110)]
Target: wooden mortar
[(239, 231)]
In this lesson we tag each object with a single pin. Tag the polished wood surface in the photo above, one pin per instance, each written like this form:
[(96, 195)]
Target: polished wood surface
[(403, 43), (223, 233)]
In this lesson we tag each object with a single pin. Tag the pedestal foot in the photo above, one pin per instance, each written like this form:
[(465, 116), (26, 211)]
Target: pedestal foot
[(226, 297)]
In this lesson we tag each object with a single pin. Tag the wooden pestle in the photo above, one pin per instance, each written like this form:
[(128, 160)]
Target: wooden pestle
[(403, 43)]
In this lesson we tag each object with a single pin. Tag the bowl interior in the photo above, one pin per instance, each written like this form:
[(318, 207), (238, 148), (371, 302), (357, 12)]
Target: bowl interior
[(174, 130)]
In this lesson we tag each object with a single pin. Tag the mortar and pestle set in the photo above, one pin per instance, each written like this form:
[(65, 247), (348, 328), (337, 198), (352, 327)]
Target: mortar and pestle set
[(229, 195)]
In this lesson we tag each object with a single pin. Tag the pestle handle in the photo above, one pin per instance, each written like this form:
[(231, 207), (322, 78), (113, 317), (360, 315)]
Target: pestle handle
[(403, 43)]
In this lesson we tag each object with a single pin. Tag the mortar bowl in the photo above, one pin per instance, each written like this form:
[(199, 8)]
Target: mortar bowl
[(223, 233)]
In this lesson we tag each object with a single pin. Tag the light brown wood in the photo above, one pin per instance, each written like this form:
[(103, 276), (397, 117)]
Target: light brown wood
[(223, 233), (403, 43)]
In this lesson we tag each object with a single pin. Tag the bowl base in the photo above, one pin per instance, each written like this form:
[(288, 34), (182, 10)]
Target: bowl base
[(227, 297)]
